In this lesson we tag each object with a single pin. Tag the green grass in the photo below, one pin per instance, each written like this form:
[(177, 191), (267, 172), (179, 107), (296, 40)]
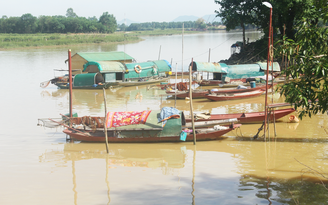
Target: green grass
[(8, 41), (11, 41)]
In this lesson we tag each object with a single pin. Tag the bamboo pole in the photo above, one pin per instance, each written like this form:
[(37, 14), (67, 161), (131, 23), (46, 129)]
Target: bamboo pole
[(105, 126), (182, 55), (190, 96), (176, 77), (272, 110), (267, 75), (70, 82)]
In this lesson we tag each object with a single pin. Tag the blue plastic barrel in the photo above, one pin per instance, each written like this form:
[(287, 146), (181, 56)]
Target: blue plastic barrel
[(253, 85)]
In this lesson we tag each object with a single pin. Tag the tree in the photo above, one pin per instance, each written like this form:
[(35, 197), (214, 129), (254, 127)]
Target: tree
[(200, 24), (109, 22), (70, 13), (28, 23), (238, 13), (309, 53)]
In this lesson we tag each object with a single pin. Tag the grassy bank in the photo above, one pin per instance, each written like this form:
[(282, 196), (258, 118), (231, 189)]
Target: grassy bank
[(8, 41), (12, 41), (158, 32)]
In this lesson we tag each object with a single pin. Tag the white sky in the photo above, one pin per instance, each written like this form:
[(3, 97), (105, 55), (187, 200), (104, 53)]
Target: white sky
[(135, 10)]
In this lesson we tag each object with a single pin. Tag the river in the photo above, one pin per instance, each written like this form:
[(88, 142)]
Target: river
[(38, 165)]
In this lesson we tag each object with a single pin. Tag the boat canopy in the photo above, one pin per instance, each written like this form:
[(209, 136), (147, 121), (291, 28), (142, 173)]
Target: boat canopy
[(173, 126), (104, 67), (263, 66), (105, 56), (209, 67), (147, 69), (87, 79)]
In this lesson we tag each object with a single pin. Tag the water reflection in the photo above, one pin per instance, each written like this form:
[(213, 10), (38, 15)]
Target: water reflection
[(259, 172)]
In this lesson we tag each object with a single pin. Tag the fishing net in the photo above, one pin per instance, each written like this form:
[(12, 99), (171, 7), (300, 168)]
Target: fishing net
[(49, 123)]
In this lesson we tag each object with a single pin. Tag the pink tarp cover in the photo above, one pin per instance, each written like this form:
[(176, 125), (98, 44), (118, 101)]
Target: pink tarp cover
[(116, 119)]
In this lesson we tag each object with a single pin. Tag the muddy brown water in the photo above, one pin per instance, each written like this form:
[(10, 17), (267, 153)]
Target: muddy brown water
[(38, 165)]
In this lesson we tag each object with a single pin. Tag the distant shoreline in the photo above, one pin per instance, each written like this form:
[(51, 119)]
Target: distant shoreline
[(41, 40)]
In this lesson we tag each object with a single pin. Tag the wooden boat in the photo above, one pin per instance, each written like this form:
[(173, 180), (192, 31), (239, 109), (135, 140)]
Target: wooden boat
[(181, 86), (184, 94), (145, 136), (221, 83), (145, 81), (230, 75), (234, 96), (236, 90), (105, 74), (83, 81), (90, 129), (246, 118)]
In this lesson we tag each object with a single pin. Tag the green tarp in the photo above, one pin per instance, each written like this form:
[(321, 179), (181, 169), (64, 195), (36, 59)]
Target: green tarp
[(85, 79), (104, 67), (105, 56), (209, 67), (235, 71), (148, 69)]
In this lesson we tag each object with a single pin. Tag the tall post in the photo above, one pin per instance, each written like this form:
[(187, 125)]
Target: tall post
[(70, 82), (267, 71), (159, 53), (190, 96), (105, 125), (176, 88), (182, 54)]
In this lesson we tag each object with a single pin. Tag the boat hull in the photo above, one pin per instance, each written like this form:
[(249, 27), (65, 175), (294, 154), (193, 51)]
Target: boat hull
[(235, 90), (99, 136), (249, 118), (234, 96), (137, 83), (184, 94), (232, 83), (107, 85)]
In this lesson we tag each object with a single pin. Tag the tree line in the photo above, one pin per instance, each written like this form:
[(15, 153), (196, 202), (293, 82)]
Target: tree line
[(199, 24), (71, 23)]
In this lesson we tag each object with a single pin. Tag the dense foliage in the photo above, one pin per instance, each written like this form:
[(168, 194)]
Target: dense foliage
[(286, 13), (238, 13), (307, 55), (191, 25), (58, 24)]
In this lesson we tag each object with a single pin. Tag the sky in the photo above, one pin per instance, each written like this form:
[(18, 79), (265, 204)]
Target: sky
[(135, 10)]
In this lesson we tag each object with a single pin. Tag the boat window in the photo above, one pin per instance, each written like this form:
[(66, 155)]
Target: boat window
[(217, 76), (110, 77), (119, 76)]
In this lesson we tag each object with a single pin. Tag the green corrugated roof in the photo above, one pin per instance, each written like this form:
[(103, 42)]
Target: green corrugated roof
[(105, 66), (105, 56), (209, 67), (276, 66), (161, 65)]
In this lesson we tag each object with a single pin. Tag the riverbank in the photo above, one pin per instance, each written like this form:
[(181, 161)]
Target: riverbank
[(16, 41)]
